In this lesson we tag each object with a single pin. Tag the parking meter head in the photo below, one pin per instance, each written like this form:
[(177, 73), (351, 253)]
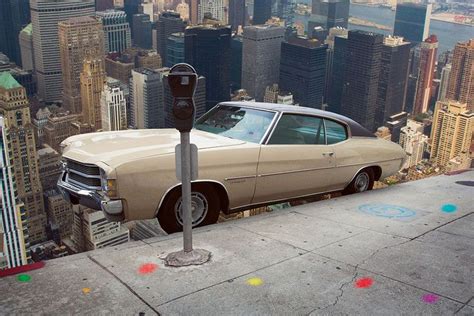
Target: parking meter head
[(182, 81)]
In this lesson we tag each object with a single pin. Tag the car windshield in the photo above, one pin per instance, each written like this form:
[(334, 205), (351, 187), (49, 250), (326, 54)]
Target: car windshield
[(236, 122)]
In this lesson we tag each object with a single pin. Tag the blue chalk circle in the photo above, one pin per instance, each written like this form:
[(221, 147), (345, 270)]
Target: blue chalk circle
[(449, 208), (386, 210)]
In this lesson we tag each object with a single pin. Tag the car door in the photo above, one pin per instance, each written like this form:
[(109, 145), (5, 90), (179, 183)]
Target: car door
[(346, 151), (295, 161)]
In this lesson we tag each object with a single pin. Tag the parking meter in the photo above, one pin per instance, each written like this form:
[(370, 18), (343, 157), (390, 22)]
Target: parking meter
[(182, 80)]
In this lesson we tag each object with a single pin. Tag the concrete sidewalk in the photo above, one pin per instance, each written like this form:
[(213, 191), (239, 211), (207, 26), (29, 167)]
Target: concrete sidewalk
[(407, 249)]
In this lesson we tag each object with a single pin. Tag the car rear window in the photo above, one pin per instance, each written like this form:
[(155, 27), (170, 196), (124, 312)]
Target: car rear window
[(335, 132)]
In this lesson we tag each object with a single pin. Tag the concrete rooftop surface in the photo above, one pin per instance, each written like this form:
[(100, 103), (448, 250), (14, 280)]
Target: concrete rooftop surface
[(407, 249)]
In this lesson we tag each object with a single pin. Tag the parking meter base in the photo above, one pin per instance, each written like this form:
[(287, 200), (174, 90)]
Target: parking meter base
[(182, 259)]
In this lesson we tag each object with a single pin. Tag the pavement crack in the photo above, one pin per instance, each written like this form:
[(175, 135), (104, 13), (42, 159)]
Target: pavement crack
[(442, 225), (123, 283)]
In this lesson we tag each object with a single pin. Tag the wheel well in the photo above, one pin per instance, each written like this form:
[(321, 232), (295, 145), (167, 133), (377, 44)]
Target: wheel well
[(221, 191), (223, 197), (377, 172)]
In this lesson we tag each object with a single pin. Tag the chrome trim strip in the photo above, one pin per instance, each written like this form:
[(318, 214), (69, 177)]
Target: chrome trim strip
[(367, 163), (82, 185), (292, 171), (80, 163), (238, 178), (83, 174), (179, 184), (270, 128)]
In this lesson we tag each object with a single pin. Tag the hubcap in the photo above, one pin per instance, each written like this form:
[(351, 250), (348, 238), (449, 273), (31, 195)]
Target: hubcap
[(362, 182), (199, 208)]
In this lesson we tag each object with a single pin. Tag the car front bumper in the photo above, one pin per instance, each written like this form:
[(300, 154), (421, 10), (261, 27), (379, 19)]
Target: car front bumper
[(113, 209)]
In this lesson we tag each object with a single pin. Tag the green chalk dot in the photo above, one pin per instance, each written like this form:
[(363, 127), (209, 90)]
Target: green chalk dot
[(23, 278)]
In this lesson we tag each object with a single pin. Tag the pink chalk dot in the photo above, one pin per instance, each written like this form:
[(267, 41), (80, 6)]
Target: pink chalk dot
[(430, 298)]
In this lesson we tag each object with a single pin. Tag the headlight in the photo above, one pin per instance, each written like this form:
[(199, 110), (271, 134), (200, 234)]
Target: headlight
[(109, 186)]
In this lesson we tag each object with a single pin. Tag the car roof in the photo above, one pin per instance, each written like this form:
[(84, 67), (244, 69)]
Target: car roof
[(356, 128)]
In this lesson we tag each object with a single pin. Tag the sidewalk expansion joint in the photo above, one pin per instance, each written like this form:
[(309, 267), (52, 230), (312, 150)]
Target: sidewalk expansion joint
[(229, 280), (277, 240), (464, 305), (123, 283), (442, 225)]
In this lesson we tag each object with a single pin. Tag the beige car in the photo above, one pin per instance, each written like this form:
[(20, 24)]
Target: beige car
[(250, 154)]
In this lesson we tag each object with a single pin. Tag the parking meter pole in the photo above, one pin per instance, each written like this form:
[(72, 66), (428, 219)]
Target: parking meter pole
[(182, 81), (186, 192)]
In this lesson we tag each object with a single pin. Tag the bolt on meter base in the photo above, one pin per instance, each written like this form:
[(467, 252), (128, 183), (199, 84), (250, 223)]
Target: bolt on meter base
[(182, 258)]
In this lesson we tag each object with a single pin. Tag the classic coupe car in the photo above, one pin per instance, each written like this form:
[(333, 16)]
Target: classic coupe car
[(250, 154)]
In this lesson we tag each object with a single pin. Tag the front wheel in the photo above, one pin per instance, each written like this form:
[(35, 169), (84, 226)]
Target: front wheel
[(363, 181), (205, 208)]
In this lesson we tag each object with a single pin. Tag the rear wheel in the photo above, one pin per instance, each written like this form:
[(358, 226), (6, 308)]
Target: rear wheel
[(205, 208), (363, 181)]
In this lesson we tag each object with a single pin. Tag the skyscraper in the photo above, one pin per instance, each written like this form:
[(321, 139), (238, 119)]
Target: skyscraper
[(330, 13), (236, 63), (45, 16), (12, 211), (58, 128), (393, 79), (413, 142), (102, 5), (412, 21), (80, 39), (14, 107), (131, 7), (261, 58), (183, 10), (117, 35), (444, 81), (167, 24), (113, 106), (146, 99), (237, 14), (215, 8), (361, 77), (193, 11), (461, 79), (92, 82), (207, 49), (262, 11), (303, 70), (141, 31), (175, 49), (14, 15), (424, 86), (451, 133), (26, 48), (338, 41)]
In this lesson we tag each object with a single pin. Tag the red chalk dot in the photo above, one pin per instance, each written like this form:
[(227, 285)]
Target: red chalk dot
[(147, 268), (364, 283), (430, 298)]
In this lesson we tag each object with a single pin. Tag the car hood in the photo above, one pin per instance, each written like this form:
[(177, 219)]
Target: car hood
[(115, 148)]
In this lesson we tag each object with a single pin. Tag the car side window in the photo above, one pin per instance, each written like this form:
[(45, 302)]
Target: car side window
[(335, 132), (295, 129)]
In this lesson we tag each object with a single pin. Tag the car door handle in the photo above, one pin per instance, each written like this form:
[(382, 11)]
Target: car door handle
[(330, 154)]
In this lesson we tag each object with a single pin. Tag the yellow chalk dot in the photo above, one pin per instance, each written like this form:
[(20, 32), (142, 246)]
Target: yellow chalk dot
[(86, 290), (255, 281)]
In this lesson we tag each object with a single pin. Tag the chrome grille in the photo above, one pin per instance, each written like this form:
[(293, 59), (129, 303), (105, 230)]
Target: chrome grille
[(84, 175), (90, 182), (83, 168)]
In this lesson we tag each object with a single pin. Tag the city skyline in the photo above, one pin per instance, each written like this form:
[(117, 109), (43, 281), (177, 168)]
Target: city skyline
[(81, 66)]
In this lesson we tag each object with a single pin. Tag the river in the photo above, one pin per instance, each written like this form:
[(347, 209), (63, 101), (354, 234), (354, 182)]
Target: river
[(448, 33)]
